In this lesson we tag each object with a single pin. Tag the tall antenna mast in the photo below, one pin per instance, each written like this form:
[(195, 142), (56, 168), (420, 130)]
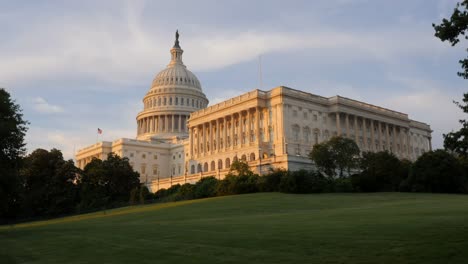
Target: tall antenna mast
[(260, 80)]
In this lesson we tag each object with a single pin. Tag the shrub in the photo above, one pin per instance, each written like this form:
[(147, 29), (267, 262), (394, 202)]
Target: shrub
[(206, 187), (271, 181), (185, 192), (303, 181), (437, 171), (342, 185)]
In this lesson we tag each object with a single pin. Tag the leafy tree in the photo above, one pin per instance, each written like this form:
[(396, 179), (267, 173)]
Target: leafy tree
[(206, 187), (240, 179), (457, 141), (381, 171), (49, 183), (107, 181), (271, 181), (437, 171), (12, 131), (451, 31), (336, 154)]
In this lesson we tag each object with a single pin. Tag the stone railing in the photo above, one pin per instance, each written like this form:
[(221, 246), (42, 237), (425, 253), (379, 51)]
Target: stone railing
[(351, 102)]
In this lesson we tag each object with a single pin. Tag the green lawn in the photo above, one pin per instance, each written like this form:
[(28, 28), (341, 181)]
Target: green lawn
[(256, 228)]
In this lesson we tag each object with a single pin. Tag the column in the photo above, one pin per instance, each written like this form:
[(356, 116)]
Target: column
[(356, 138), (400, 136), (408, 143), (232, 131), (191, 142), (211, 137), (198, 141), (338, 125), (395, 149), (218, 127), (257, 125), (172, 123), (166, 123), (347, 125), (380, 136), (204, 138), (387, 136), (372, 135), (180, 124), (224, 132), (364, 133)]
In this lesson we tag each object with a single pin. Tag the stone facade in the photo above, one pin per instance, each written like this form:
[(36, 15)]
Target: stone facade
[(180, 139)]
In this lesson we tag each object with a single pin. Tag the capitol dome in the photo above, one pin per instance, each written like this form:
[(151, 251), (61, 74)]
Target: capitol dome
[(174, 94)]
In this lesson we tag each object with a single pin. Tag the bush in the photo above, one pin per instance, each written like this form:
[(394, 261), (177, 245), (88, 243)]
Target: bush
[(237, 184), (206, 187), (185, 192), (343, 185), (303, 181), (437, 171), (271, 181)]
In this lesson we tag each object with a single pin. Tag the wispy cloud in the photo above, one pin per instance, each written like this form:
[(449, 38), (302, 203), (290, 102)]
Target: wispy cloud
[(42, 106)]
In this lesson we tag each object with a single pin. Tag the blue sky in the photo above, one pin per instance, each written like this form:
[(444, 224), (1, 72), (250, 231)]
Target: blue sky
[(74, 66)]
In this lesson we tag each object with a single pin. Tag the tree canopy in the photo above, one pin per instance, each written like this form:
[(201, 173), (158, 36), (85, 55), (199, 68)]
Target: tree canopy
[(338, 153), (12, 131)]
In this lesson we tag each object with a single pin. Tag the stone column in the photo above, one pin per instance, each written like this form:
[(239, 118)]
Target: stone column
[(211, 137), (395, 149), (224, 132), (191, 142), (166, 123), (387, 136), (180, 124), (347, 125), (364, 133), (400, 136), (338, 124), (356, 138), (232, 131), (380, 136), (218, 127), (172, 123), (257, 125)]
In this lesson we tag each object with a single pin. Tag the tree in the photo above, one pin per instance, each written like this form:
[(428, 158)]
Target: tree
[(457, 141), (451, 31), (381, 171), (12, 131), (336, 154), (437, 171), (107, 181), (49, 183)]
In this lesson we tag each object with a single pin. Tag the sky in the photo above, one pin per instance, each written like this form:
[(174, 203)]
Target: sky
[(75, 66)]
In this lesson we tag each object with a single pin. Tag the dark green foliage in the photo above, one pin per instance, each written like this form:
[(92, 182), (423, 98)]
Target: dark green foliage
[(439, 172), (303, 181), (185, 192), (108, 181), (342, 185), (457, 141), (206, 187), (271, 181), (338, 153), (381, 171), (12, 131), (238, 184), (451, 30), (49, 184)]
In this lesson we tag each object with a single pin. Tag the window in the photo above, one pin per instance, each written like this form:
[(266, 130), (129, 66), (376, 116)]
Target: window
[(143, 169), (315, 118), (294, 113), (295, 130), (143, 156), (131, 155), (155, 157)]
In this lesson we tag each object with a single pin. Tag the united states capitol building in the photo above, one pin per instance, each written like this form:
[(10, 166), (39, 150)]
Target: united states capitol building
[(181, 139)]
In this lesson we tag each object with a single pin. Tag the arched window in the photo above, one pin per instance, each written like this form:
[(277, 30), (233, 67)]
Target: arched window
[(244, 158), (165, 101), (220, 164), (177, 101), (252, 156), (199, 168), (307, 134), (170, 100), (192, 169), (265, 155), (213, 164), (316, 136), (205, 167), (228, 163), (159, 101), (235, 159), (295, 130), (182, 101)]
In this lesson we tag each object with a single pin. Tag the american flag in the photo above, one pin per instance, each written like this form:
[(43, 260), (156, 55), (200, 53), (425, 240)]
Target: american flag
[(99, 131)]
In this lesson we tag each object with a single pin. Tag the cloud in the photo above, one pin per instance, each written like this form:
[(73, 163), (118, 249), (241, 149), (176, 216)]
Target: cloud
[(42, 106)]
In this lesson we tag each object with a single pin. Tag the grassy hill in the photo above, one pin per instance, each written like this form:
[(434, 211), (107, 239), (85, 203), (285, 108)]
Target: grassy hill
[(256, 228)]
